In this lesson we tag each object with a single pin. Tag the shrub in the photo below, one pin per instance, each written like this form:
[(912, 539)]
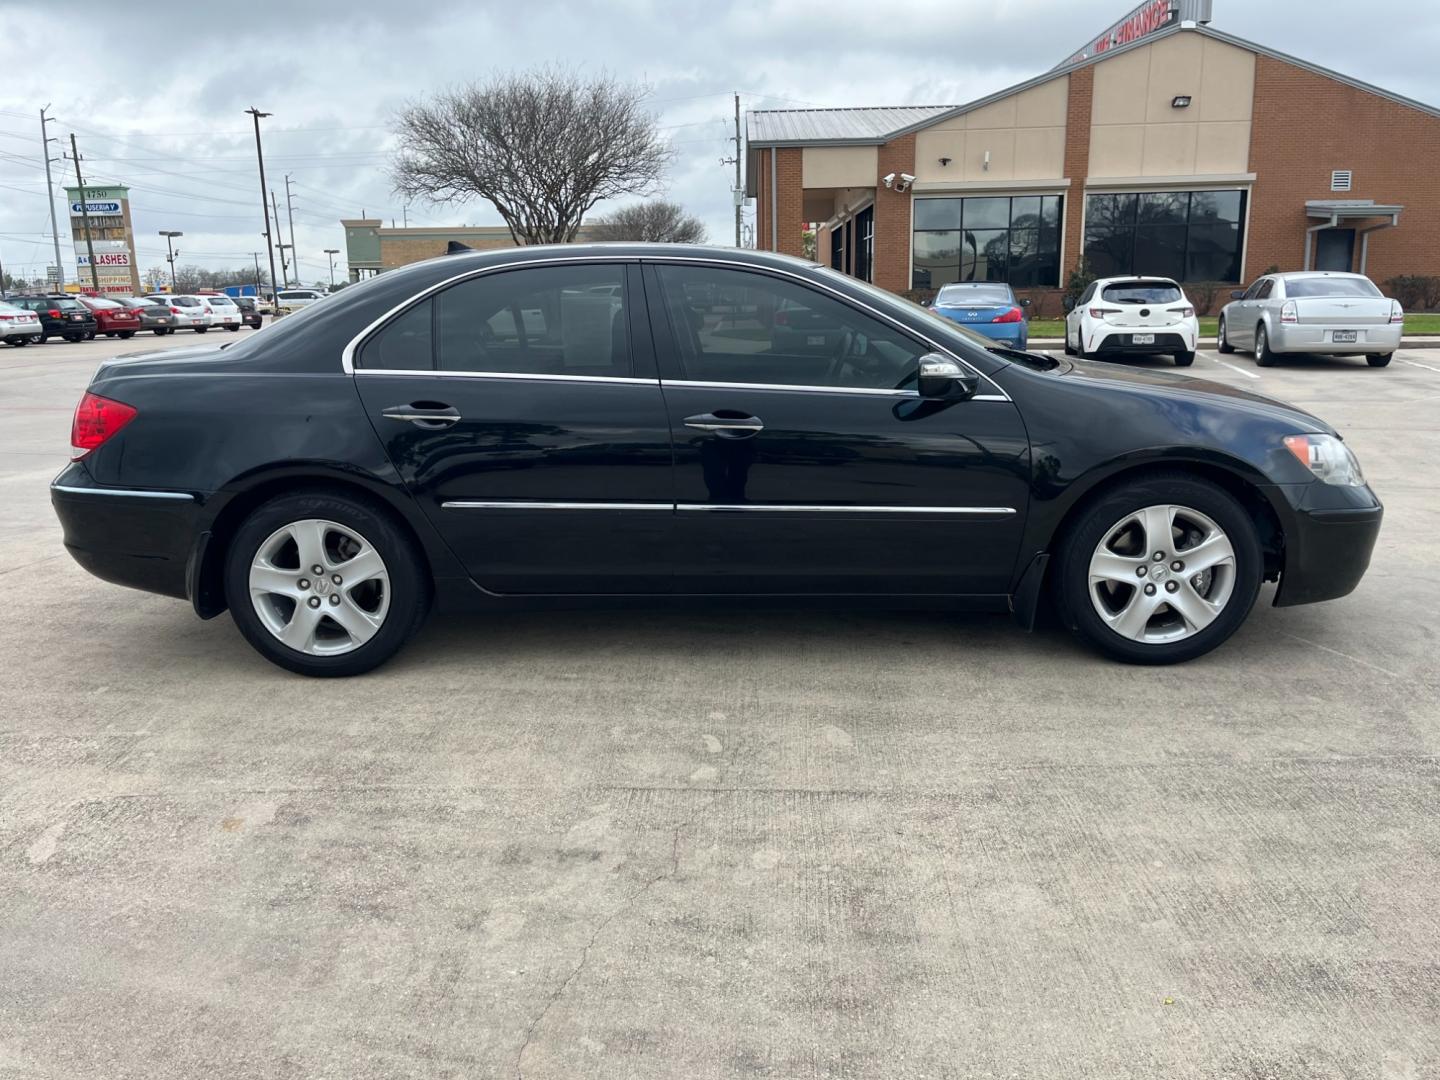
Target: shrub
[(1416, 292)]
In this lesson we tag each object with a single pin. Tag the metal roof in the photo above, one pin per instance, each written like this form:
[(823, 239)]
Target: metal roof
[(776, 127), (1350, 208)]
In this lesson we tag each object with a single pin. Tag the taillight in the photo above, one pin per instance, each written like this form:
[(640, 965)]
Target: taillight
[(208, 311), (1397, 313), (97, 419), (1288, 312), (54, 313), (1183, 312), (1101, 312), (1013, 315), (174, 311)]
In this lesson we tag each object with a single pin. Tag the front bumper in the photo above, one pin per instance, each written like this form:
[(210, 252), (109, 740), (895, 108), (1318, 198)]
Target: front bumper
[(141, 539), (1307, 338), (1327, 551)]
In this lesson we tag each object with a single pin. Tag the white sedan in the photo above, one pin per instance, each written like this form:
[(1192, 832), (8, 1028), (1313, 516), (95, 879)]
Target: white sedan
[(1133, 316), (1312, 312), (18, 326)]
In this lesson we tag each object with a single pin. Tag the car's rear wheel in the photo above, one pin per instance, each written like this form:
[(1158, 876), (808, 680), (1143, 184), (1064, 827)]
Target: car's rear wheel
[(1184, 359), (325, 584), (201, 329), (232, 329), (1160, 570), (1263, 356), (1379, 359), (126, 335), (1222, 341), (74, 337)]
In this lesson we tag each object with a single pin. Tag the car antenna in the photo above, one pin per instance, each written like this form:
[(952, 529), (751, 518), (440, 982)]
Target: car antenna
[(455, 247)]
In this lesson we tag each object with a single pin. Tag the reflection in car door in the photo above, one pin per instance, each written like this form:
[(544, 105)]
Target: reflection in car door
[(805, 463), (521, 409)]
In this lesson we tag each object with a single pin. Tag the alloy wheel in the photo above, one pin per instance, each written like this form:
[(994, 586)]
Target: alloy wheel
[(319, 587), (1162, 574)]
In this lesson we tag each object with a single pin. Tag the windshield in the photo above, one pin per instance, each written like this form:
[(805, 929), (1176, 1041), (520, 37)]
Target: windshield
[(974, 296), (1142, 292), (1330, 286)]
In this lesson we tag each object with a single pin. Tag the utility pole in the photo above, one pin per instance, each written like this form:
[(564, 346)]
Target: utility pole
[(284, 266), (290, 213), (332, 252), (85, 213), (264, 210), (257, 277), (45, 142), (739, 191)]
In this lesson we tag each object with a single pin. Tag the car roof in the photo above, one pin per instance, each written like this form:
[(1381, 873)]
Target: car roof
[(1287, 274), (1135, 277)]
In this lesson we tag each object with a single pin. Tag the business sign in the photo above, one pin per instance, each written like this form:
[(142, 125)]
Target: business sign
[(109, 258), (95, 208), (1148, 18)]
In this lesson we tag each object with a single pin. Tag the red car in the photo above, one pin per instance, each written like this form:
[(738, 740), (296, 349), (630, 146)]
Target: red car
[(115, 319)]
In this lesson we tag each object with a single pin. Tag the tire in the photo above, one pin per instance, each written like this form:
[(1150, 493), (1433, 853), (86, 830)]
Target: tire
[(1379, 359), (1222, 343), (126, 335), (1184, 359), (159, 331), (74, 338), (233, 329), (201, 329), (1069, 349), (1234, 586), (20, 343), (110, 333), (1263, 356), (406, 589), (89, 335), (42, 339)]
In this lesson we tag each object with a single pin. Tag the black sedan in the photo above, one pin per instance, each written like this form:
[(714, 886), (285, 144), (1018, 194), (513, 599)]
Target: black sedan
[(623, 424)]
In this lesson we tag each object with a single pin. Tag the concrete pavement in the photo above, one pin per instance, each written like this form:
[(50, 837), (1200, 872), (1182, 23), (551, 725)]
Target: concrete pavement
[(639, 845)]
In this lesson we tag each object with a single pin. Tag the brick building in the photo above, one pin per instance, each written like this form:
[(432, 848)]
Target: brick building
[(1165, 146), (370, 247)]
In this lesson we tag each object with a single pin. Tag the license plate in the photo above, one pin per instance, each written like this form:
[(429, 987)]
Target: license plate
[(77, 318), (1339, 336), (1142, 339)]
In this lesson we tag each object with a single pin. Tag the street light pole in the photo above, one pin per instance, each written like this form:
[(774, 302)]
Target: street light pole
[(264, 206), (332, 252), (170, 258)]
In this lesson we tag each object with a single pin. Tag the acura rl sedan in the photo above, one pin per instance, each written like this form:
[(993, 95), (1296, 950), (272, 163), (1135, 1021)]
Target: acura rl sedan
[(625, 424)]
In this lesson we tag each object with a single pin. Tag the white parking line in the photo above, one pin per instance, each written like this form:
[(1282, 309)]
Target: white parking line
[(1413, 363), (1232, 367)]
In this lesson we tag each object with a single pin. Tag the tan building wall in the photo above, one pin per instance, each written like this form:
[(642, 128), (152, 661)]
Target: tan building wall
[(1136, 131), (1024, 134), (407, 245), (838, 166)]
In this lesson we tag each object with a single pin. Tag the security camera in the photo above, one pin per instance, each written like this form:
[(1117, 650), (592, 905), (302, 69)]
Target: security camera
[(905, 181), (888, 179)]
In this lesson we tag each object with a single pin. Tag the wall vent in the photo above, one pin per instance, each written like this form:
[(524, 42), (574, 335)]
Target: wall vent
[(1340, 180)]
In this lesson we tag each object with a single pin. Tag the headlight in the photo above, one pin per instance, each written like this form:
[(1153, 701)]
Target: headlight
[(1328, 458)]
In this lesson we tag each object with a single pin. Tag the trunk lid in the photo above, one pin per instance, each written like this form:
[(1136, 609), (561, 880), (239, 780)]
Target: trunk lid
[(1342, 310)]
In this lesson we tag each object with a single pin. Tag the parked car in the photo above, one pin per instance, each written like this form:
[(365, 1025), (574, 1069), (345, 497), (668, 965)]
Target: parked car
[(18, 326), (987, 307), (60, 316), (1120, 316), (226, 313), (249, 311), (189, 312), (289, 300), (114, 318), (453, 458), (1316, 311), (154, 315)]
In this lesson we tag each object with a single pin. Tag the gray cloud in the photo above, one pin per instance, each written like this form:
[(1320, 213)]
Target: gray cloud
[(167, 118)]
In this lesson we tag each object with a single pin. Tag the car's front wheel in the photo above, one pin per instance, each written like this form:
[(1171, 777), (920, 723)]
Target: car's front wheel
[(325, 584), (1160, 570), (1379, 359)]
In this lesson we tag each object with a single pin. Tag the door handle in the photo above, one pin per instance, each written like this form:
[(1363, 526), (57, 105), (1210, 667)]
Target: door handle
[(426, 414), (727, 422)]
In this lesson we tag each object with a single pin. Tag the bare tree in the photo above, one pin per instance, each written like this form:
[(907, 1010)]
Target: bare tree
[(656, 221), (543, 147)]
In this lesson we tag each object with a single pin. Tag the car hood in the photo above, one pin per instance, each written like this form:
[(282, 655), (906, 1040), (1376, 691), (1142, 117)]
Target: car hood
[(1141, 380)]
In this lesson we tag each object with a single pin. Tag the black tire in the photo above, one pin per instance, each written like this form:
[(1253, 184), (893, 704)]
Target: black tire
[(1072, 572), (159, 331), (1263, 356), (1222, 343), (1069, 349), (20, 343), (89, 335), (168, 330), (126, 335), (233, 329), (201, 329), (41, 339), (410, 583), (1379, 359), (74, 338), (1184, 359)]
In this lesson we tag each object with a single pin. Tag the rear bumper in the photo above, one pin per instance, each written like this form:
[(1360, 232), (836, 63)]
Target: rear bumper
[(1327, 553), (1319, 338), (141, 539), (1016, 335), (27, 331), (1166, 341)]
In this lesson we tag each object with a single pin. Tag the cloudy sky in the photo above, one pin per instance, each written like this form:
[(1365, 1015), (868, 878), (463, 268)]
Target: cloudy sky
[(157, 102)]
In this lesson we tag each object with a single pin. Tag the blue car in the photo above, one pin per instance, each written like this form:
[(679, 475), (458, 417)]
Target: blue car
[(987, 307)]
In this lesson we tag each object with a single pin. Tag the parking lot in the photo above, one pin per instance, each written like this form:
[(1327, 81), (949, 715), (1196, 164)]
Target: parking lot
[(641, 844)]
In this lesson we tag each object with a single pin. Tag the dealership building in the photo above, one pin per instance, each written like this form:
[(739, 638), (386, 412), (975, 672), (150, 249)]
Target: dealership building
[(1163, 146), (371, 246)]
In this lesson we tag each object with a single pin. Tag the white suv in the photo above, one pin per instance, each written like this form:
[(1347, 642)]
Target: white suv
[(190, 312), (288, 300), (226, 312), (1133, 315)]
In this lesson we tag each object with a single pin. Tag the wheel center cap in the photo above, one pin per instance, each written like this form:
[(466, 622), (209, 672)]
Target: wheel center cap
[(1160, 572), (322, 586)]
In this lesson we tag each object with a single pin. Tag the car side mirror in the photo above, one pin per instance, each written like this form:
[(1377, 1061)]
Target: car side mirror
[(1068, 303), (942, 379), (926, 303), (1025, 301), (1237, 294)]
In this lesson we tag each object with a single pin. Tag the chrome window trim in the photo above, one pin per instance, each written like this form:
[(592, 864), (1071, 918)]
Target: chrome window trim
[(706, 385), (622, 379), (128, 493), (800, 508), (347, 355)]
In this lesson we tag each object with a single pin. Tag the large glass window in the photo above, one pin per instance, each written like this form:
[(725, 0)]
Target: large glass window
[(1010, 239), (736, 326), (1185, 235)]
